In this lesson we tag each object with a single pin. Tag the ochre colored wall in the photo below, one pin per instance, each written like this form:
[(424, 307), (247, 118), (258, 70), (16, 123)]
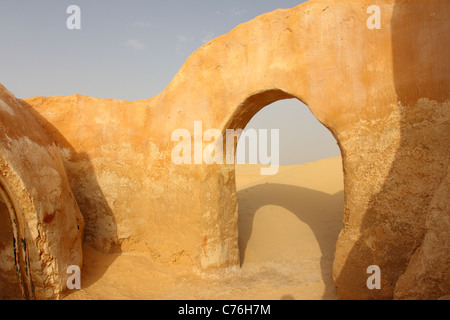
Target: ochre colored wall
[(38, 207)]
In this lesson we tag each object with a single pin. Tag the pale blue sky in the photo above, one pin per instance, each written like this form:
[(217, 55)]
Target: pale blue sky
[(131, 50)]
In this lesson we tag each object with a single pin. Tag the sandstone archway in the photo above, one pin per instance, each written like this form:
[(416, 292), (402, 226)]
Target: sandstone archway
[(291, 220), (382, 93)]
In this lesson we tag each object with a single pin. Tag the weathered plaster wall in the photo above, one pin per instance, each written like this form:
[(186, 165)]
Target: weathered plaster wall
[(38, 207)]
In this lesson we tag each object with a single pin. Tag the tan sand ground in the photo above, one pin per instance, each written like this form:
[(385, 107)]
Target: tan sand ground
[(288, 227)]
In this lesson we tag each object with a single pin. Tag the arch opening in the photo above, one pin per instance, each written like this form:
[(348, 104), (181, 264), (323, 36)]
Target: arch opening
[(289, 222)]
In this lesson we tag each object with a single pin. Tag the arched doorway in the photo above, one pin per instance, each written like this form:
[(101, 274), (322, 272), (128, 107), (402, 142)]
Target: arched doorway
[(289, 222)]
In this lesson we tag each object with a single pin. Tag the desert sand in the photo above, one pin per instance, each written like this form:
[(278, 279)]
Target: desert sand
[(288, 228)]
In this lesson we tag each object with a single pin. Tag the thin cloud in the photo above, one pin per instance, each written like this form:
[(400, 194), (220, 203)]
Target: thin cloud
[(181, 38), (237, 11), (135, 44), (142, 24)]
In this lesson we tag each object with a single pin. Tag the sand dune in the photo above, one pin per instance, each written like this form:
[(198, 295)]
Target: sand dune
[(288, 227)]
